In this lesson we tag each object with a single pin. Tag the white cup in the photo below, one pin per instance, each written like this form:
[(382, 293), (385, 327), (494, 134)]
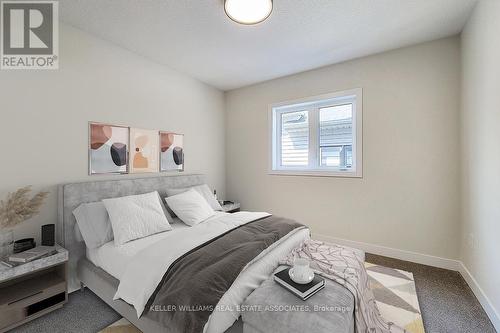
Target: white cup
[(301, 272)]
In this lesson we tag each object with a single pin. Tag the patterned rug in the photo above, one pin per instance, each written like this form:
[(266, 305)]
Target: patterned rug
[(121, 326), (394, 292), (396, 297)]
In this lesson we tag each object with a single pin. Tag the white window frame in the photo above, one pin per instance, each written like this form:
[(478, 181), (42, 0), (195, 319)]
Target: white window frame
[(354, 96)]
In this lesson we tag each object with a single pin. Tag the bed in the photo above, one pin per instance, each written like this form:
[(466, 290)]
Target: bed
[(107, 269)]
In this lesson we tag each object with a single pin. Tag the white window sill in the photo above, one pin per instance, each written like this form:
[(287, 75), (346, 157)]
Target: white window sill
[(317, 173)]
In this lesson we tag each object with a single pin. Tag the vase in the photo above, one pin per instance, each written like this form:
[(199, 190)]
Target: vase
[(6, 243)]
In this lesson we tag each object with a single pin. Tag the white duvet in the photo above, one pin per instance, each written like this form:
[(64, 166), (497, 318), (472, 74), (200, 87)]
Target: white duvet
[(149, 260)]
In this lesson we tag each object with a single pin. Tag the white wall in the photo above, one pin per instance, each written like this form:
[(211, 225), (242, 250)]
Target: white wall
[(480, 151), (409, 194), (44, 116)]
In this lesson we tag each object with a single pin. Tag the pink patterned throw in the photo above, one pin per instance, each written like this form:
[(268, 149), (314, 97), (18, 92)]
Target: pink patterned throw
[(342, 265)]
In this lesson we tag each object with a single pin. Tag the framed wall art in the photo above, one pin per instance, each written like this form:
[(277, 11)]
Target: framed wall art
[(108, 148), (143, 150), (171, 151)]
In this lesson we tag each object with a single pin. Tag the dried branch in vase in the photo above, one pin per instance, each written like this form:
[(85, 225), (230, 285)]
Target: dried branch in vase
[(19, 207)]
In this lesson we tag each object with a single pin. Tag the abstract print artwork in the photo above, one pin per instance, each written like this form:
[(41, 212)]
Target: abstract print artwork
[(143, 150), (171, 151), (108, 148)]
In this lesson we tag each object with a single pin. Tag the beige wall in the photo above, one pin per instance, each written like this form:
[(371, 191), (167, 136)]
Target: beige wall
[(44, 115), (480, 150), (408, 196)]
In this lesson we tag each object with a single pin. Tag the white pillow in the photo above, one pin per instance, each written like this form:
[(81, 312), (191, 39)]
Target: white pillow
[(190, 207), (136, 216), (204, 190), (93, 223)]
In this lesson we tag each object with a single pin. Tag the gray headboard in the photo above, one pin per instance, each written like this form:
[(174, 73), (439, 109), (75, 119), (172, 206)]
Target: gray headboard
[(72, 195)]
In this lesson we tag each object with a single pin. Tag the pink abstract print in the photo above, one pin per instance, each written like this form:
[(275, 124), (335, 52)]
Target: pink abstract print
[(108, 148), (171, 151)]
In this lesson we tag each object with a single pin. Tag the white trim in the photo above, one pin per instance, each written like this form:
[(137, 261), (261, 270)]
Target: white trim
[(419, 258), (313, 139), (424, 259), (481, 296), (314, 173), (354, 96), (314, 99)]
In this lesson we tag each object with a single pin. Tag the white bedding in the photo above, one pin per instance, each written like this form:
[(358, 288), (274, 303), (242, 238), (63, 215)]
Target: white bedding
[(114, 259), (156, 253)]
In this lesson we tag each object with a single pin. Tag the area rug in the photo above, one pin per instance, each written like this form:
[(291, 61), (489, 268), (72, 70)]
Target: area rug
[(396, 297), (394, 292), (121, 326)]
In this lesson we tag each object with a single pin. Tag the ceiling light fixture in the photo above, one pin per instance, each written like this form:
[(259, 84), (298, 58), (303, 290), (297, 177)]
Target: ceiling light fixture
[(248, 11)]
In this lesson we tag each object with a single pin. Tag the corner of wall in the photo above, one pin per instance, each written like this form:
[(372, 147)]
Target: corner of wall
[(480, 50)]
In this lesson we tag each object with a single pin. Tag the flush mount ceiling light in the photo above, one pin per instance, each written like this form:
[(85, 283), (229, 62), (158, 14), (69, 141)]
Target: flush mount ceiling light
[(248, 11)]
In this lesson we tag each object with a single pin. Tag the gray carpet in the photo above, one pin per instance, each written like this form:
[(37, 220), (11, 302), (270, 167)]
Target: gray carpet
[(84, 312), (446, 301)]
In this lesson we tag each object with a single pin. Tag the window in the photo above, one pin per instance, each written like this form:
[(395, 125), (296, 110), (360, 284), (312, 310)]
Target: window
[(318, 136), (295, 139)]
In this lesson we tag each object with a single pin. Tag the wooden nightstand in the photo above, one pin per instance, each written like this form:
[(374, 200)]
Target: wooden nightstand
[(33, 289), (231, 208)]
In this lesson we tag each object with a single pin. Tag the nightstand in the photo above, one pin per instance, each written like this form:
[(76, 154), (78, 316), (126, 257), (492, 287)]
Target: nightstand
[(30, 290), (231, 208)]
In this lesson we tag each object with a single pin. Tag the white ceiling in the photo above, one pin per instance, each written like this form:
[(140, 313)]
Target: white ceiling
[(195, 36)]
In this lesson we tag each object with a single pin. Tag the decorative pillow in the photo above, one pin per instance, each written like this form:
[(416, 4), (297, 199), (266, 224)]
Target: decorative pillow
[(204, 190), (190, 207), (136, 216), (94, 224)]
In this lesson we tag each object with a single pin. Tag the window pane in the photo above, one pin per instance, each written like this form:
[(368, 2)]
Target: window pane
[(295, 138), (335, 138)]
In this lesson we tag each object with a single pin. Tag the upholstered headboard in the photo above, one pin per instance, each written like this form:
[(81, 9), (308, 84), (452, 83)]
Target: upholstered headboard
[(72, 195)]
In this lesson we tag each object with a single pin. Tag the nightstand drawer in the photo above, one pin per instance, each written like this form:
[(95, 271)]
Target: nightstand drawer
[(31, 306), (21, 300)]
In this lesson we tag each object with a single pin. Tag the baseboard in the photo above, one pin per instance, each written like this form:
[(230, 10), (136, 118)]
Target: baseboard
[(424, 259), (481, 296), (415, 257)]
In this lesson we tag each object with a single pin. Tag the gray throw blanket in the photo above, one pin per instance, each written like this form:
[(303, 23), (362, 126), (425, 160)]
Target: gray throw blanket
[(194, 283), (343, 266)]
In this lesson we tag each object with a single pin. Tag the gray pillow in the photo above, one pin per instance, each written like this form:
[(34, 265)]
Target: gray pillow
[(94, 224), (204, 190), (166, 211), (78, 234)]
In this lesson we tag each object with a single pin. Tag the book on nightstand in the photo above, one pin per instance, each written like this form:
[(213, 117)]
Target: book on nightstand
[(32, 254), (303, 291), (9, 264)]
